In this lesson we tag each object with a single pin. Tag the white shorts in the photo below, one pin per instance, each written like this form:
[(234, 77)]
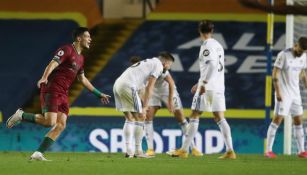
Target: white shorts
[(126, 98), (210, 101), (288, 106), (157, 99)]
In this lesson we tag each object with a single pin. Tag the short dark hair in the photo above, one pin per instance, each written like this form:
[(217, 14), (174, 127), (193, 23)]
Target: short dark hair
[(205, 26), (167, 56), (135, 59), (78, 32), (302, 42)]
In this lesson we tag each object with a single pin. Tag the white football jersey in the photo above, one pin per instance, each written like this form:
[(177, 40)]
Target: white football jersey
[(162, 86), (137, 75), (212, 50), (291, 68)]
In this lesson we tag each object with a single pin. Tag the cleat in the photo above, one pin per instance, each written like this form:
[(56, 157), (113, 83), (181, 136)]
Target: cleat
[(150, 153), (178, 153), (170, 152), (38, 156), (302, 154), (129, 154), (270, 155), (196, 153), (140, 154), (15, 119), (229, 155)]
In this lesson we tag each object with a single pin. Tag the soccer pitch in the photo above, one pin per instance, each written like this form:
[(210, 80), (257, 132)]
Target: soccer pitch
[(104, 163)]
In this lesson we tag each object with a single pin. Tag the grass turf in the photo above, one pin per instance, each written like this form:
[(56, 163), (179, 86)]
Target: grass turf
[(109, 164)]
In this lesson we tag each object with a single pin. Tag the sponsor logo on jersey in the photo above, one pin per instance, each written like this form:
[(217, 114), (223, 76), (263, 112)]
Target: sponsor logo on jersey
[(206, 52), (74, 66), (60, 53)]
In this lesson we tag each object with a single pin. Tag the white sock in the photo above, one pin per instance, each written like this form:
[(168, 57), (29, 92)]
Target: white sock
[(184, 127), (271, 136), (300, 138), (190, 134), (226, 132), (138, 135), (128, 132), (149, 132)]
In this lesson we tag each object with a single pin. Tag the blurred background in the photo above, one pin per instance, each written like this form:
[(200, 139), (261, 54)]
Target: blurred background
[(32, 30)]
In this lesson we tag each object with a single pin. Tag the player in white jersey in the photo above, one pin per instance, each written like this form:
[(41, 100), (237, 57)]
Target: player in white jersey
[(209, 91), (127, 99), (289, 65), (165, 92)]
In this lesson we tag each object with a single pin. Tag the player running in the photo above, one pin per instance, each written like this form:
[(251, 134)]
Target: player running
[(66, 65)]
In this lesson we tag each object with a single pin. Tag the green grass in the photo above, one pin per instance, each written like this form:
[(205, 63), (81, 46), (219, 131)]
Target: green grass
[(109, 164)]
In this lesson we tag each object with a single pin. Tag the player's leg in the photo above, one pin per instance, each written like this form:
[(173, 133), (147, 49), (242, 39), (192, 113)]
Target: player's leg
[(190, 134), (59, 103), (197, 107), (128, 133), (299, 135), (52, 135), (224, 128), (178, 111), (217, 104), (149, 130), (48, 104), (124, 103), (271, 133), (281, 110), (21, 116), (226, 132), (138, 134), (297, 113), (139, 123), (179, 115)]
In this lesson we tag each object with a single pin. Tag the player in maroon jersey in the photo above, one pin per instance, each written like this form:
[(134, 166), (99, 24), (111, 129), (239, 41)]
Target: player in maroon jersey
[(66, 65)]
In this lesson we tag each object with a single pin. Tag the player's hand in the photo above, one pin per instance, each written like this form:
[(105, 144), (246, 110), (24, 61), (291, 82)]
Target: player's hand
[(42, 81), (194, 89), (278, 96), (105, 98), (170, 106), (144, 112), (202, 90)]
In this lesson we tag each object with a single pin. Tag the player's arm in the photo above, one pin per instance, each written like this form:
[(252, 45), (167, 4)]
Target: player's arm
[(148, 92), (86, 83), (212, 64), (171, 86), (51, 66), (212, 70), (303, 77), (275, 76)]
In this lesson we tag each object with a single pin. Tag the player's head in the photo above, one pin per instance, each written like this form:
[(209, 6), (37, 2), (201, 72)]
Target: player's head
[(205, 27), (301, 46), (82, 35), (167, 60), (134, 59)]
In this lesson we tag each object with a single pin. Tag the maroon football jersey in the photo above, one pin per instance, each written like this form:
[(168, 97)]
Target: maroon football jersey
[(70, 65)]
